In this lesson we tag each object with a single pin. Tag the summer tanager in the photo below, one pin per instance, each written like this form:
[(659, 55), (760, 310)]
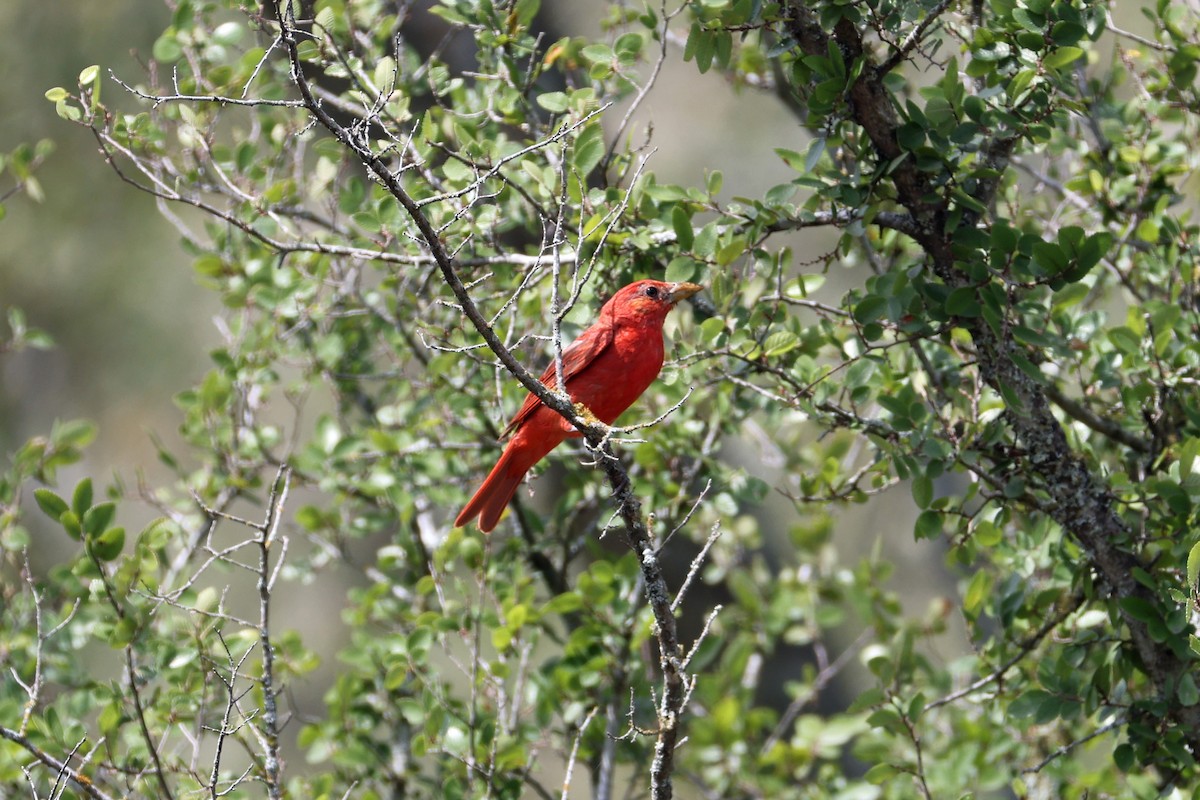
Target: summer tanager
[(605, 369)]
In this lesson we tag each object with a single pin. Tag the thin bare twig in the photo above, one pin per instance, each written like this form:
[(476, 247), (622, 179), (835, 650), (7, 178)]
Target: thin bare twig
[(583, 726), (83, 782), (266, 580), (1024, 648), (1069, 746), (596, 434), (1102, 425), (914, 37), (697, 562)]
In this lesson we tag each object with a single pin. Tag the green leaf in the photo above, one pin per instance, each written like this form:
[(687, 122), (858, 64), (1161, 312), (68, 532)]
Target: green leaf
[(779, 194), (1029, 336), (682, 268), (731, 251), (1089, 254), (1193, 566), (881, 774), (963, 302), (123, 633), (860, 373), (525, 11), (554, 102), (1125, 340), (1014, 488), (791, 158), (911, 136), (816, 149), (870, 308), (516, 617), (916, 707), (1124, 757), (666, 193), (1028, 703), (81, 501), (108, 545), (1140, 609), (598, 53), (705, 245), (714, 182), (98, 518), (1019, 83), (1028, 20), (70, 523), (928, 525), (1187, 456), (501, 638), (922, 490), (1070, 294), (977, 593), (167, 48), (1051, 257), (214, 391), (419, 642), (588, 149), (681, 222), (887, 719), (711, 328), (780, 342), (701, 45), (470, 552), (51, 504), (1066, 32), (988, 534), (1062, 56), (157, 533), (1187, 692), (564, 603)]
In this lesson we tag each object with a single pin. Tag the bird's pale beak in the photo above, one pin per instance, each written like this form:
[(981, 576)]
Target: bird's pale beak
[(682, 291)]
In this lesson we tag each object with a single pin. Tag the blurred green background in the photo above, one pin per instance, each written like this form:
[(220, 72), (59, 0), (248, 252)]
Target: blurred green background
[(94, 264)]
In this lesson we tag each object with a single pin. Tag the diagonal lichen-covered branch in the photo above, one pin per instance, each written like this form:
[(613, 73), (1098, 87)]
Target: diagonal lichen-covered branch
[(1080, 502)]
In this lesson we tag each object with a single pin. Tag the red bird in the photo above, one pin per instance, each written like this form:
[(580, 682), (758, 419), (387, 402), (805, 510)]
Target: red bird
[(605, 369)]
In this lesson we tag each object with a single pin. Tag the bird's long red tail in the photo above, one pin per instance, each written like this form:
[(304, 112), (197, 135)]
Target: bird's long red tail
[(499, 486)]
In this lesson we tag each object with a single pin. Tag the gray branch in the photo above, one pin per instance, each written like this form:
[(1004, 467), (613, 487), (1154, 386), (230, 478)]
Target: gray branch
[(597, 435), (1080, 502), (78, 779)]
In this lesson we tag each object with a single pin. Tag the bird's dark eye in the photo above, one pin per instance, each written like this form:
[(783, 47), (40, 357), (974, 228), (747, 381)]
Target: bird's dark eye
[(652, 291)]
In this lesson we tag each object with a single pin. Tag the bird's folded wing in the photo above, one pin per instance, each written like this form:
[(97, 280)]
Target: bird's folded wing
[(576, 358)]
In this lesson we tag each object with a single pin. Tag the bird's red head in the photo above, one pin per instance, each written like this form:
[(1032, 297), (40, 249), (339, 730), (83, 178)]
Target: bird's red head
[(647, 301)]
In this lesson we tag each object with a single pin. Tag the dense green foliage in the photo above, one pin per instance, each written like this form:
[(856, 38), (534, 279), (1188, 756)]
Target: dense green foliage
[(1011, 186)]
